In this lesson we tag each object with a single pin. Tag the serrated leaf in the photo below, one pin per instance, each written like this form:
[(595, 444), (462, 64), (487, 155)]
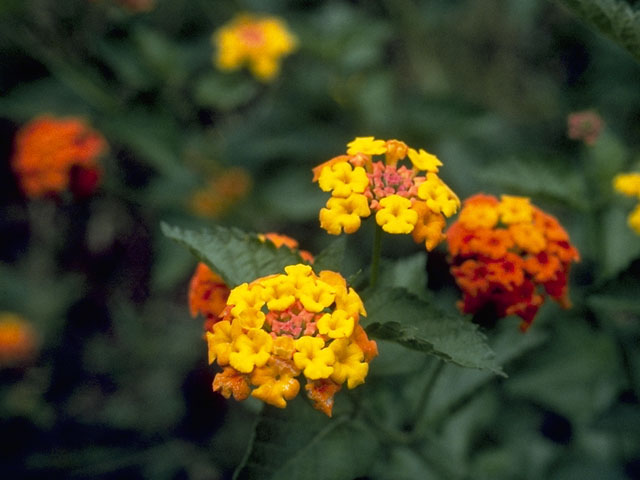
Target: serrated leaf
[(332, 256), (236, 256), (613, 18), (397, 315), (300, 442)]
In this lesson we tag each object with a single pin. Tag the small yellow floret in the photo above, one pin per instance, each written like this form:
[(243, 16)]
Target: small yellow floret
[(220, 340), (366, 146), (349, 363), (479, 215), (312, 358), (316, 296), (344, 213), (343, 180), (250, 350), (396, 215), (515, 209), (276, 383), (423, 160), (438, 196), (338, 324)]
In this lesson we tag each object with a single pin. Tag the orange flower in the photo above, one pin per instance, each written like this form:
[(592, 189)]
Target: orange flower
[(17, 340), (51, 154), (221, 193), (509, 254)]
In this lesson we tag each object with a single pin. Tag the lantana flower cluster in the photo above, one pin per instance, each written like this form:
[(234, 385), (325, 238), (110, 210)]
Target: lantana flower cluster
[(402, 189), (257, 42), (629, 184), (509, 254), (55, 154), (282, 327)]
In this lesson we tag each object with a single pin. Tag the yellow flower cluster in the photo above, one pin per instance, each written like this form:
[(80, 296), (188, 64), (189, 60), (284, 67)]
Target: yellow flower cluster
[(279, 327), (256, 42), (405, 198), (629, 184)]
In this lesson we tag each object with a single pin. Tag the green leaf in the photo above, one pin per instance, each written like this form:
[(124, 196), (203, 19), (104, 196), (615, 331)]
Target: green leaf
[(236, 256), (621, 244), (397, 315), (615, 19), (331, 257), (300, 442), (224, 92)]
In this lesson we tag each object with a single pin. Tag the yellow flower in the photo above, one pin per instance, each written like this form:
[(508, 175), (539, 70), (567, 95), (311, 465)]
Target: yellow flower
[(220, 340), (342, 179), (479, 215), (627, 184), (424, 161), (366, 146), (344, 213), (429, 226), (250, 350), (276, 383), (528, 237), (515, 209), (258, 43), (314, 360), (634, 219), (349, 363), (438, 196), (396, 215), (316, 296), (336, 325), (280, 291)]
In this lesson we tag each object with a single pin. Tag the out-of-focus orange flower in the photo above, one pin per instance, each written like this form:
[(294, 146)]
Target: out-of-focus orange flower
[(221, 193), (585, 125), (509, 254), (55, 154), (18, 343)]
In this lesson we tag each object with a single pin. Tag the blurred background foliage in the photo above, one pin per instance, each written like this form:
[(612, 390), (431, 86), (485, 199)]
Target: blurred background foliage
[(120, 387)]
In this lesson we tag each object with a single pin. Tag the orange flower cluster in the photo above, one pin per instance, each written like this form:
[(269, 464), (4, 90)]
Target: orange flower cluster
[(207, 291), (55, 154), (17, 340), (221, 193), (508, 253)]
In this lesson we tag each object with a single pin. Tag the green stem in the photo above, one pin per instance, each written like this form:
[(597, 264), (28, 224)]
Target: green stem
[(421, 411), (375, 256)]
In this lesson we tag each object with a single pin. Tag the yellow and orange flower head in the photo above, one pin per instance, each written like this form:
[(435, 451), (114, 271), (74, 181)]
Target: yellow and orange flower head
[(402, 189), (257, 42), (629, 184), (280, 329), (55, 154), (18, 343), (509, 254)]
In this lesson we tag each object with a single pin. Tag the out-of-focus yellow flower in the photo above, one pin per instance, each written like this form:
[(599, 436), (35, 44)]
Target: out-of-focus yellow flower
[(18, 342), (257, 42), (628, 184), (515, 209), (407, 198), (296, 338), (634, 219)]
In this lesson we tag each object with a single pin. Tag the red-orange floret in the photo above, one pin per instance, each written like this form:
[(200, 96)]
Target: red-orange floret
[(499, 266), (207, 295), (55, 154)]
